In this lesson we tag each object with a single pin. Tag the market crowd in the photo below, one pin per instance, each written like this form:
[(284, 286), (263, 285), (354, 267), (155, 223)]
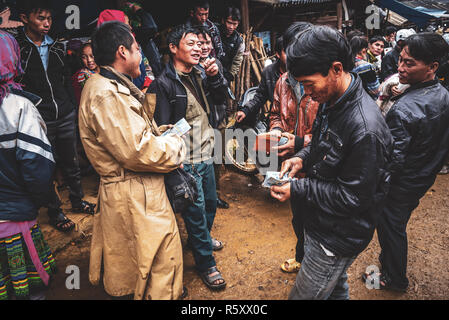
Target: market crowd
[(366, 122)]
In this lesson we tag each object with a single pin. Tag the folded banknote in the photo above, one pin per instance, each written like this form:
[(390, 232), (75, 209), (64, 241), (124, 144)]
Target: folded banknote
[(180, 128), (273, 178)]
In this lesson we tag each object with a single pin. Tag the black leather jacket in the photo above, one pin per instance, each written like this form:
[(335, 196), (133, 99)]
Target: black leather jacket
[(265, 90), (346, 173), (419, 122), (52, 85), (390, 63)]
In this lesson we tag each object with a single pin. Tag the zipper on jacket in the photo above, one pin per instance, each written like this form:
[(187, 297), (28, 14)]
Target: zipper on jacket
[(52, 96), (298, 106), (46, 76), (306, 123)]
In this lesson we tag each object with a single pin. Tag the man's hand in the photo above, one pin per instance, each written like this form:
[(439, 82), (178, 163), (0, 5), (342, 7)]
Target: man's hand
[(395, 91), (282, 193), (288, 148), (294, 165), (211, 67), (165, 127), (275, 133), (307, 139), (240, 116)]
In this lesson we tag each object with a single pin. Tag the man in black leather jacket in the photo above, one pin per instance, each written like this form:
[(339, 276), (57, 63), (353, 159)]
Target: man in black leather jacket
[(345, 164), (265, 90), (419, 122)]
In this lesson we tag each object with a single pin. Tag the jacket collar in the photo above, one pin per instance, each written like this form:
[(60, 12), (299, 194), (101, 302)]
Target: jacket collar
[(23, 40), (351, 94), (232, 38), (171, 72), (36, 100), (111, 76), (276, 66), (295, 86), (48, 41), (416, 87), (371, 56)]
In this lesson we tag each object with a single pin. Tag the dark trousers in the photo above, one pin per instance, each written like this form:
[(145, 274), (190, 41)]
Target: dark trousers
[(298, 227), (200, 216), (62, 136), (392, 234)]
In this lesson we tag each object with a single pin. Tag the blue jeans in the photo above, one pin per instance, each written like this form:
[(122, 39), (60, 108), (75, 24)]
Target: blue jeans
[(199, 217), (321, 277)]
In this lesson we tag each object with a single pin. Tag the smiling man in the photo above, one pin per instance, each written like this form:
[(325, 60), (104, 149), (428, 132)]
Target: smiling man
[(419, 122), (183, 90), (345, 165)]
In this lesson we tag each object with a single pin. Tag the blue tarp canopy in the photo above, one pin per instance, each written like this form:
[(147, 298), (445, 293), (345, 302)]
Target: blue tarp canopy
[(418, 15)]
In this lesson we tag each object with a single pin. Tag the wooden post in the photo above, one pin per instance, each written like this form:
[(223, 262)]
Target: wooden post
[(339, 16), (245, 15), (255, 67)]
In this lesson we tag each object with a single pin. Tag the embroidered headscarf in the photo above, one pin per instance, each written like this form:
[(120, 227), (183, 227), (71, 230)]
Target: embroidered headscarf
[(10, 64)]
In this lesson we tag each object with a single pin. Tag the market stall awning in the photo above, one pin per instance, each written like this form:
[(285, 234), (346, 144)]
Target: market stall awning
[(418, 15)]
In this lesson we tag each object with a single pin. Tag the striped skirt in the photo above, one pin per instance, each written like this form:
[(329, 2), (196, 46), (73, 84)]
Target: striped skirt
[(18, 275)]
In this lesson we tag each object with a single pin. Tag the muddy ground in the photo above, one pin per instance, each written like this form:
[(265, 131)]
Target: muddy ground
[(258, 236)]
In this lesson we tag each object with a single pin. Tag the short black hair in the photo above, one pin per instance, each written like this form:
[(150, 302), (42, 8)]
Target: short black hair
[(26, 6), (180, 32), (316, 49), (428, 47), (232, 12), (81, 48), (294, 29), (389, 30), (106, 40), (354, 33), (279, 46), (357, 44), (200, 4), (203, 30), (376, 38)]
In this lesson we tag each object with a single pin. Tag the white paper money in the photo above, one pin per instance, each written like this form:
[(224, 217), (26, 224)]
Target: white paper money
[(180, 128), (273, 178)]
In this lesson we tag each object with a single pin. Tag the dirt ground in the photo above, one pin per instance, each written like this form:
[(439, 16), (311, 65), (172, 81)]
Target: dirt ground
[(258, 236)]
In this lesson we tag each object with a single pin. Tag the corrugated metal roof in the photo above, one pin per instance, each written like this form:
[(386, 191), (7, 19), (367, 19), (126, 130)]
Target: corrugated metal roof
[(430, 4)]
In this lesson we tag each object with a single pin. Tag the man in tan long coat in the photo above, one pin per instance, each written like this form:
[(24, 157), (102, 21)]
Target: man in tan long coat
[(135, 231)]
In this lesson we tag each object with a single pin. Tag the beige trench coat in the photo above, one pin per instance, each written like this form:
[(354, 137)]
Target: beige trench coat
[(135, 231)]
